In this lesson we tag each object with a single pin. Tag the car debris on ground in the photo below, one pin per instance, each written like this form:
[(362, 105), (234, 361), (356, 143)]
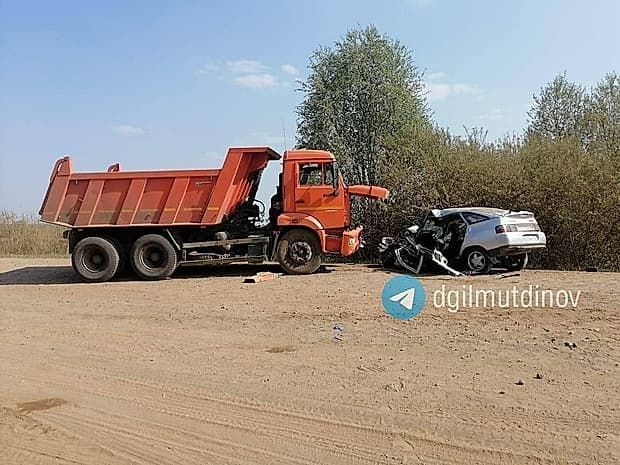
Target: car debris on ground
[(262, 276)]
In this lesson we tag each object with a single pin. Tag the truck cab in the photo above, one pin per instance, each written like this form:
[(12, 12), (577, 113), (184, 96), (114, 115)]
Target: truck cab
[(315, 204)]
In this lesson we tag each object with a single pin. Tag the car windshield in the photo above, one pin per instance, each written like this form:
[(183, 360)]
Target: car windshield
[(431, 224)]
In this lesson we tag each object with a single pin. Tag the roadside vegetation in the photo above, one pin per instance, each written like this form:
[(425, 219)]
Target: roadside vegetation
[(25, 235), (365, 101)]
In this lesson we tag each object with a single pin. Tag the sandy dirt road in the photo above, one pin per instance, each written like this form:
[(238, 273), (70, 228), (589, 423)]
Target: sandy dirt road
[(203, 369)]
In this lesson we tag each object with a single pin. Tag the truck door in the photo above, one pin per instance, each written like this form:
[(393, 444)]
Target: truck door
[(319, 193)]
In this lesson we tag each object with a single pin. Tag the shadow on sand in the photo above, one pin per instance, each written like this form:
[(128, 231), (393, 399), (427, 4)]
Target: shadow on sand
[(40, 275)]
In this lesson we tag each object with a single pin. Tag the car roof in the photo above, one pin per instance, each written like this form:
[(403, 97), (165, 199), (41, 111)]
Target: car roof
[(486, 211)]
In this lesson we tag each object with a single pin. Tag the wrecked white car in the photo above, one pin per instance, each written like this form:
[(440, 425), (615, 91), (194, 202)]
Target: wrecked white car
[(468, 239)]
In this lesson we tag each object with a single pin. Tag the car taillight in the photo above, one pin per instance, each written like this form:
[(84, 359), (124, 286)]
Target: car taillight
[(504, 228)]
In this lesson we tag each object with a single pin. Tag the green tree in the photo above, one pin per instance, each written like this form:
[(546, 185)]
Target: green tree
[(603, 115), (559, 110), (362, 99)]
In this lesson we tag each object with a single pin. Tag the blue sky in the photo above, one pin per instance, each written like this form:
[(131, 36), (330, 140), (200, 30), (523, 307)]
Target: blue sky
[(162, 84)]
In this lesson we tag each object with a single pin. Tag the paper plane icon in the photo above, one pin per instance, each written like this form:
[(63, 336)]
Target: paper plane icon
[(405, 298)]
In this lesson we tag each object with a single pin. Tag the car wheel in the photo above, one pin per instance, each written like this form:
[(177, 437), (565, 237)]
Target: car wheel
[(515, 262), (477, 260), (153, 257), (95, 259), (299, 252)]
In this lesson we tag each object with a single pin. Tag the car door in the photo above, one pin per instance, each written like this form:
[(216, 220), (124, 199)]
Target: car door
[(477, 230)]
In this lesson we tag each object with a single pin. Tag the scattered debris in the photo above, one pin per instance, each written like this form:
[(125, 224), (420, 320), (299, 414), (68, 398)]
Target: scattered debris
[(507, 275), (262, 276), (279, 350), (337, 332), (442, 261), (374, 368), (395, 387)]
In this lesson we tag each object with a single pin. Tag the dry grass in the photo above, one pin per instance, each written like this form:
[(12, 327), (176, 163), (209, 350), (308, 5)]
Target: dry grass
[(25, 235)]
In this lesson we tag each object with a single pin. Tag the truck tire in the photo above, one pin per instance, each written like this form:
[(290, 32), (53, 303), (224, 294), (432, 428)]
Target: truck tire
[(123, 268), (95, 259), (299, 252), (477, 260), (153, 257)]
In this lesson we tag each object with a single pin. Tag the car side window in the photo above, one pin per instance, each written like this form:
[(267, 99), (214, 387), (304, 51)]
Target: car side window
[(310, 174), (473, 218)]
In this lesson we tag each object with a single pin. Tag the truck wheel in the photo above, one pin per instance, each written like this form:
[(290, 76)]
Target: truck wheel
[(123, 267), (299, 252), (153, 257), (95, 259), (477, 260)]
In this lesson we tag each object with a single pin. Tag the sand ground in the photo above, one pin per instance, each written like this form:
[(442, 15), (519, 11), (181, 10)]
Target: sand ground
[(204, 369)]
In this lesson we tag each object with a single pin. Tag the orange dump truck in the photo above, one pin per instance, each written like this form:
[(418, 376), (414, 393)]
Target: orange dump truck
[(158, 220)]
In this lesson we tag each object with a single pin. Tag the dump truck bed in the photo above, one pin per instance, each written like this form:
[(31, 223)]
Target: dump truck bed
[(116, 198)]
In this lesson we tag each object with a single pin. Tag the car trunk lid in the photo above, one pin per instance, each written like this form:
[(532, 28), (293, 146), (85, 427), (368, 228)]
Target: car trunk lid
[(524, 221)]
